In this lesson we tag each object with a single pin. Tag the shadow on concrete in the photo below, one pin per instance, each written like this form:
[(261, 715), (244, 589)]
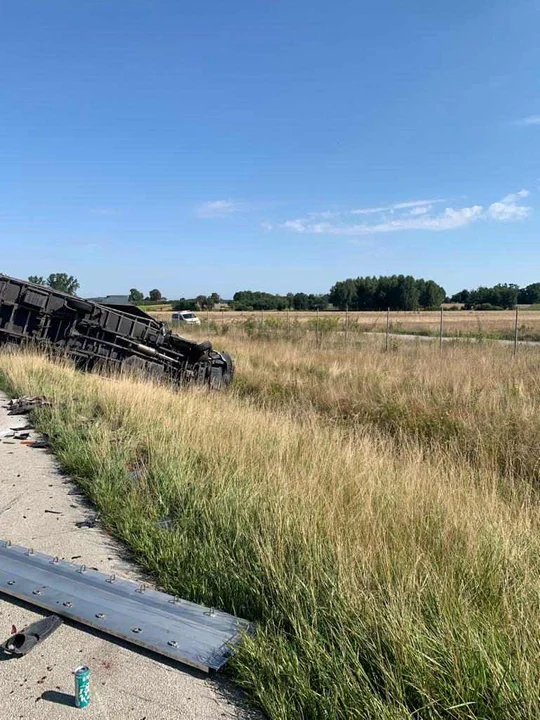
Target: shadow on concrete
[(7, 656), (59, 698), (235, 696), (222, 684)]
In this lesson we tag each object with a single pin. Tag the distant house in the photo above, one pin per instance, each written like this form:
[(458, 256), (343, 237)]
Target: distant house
[(120, 302), (112, 300)]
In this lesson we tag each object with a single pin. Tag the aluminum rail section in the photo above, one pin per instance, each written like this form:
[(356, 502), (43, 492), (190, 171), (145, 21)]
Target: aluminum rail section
[(189, 633)]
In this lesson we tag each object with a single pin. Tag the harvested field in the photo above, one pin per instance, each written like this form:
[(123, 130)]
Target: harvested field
[(376, 514), (457, 323)]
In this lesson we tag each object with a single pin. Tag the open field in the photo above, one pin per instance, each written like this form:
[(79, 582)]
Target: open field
[(375, 513), (458, 323)]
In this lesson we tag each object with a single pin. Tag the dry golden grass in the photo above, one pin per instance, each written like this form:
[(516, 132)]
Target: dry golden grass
[(464, 322), (375, 513)]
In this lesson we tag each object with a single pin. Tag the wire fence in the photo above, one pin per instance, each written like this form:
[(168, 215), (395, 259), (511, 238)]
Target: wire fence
[(508, 327)]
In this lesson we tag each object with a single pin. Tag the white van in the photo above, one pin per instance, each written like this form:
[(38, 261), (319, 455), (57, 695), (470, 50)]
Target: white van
[(186, 317)]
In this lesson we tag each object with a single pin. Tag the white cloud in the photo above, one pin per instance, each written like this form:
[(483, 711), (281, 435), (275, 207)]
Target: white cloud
[(508, 209), (416, 203), (531, 120), (217, 208), (370, 211), (395, 206), (413, 215)]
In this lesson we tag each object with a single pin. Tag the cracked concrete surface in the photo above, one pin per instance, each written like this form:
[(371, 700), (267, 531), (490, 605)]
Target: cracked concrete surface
[(39, 508)]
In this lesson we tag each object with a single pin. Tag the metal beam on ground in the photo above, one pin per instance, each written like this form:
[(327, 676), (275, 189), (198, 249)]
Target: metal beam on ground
[(189, 633)]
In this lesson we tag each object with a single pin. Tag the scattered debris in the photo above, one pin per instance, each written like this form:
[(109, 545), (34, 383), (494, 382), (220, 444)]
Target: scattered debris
[(44, 443), (20, 643), (53, 512), (183, 631), (6, 432), (23, 405), (89, 523), (22, 436)]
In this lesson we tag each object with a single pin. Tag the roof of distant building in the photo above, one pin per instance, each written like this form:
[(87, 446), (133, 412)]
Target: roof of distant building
[(112, 300)]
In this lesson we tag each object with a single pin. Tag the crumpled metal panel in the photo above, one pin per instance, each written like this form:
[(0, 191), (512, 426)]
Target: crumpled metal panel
[(189, 633)]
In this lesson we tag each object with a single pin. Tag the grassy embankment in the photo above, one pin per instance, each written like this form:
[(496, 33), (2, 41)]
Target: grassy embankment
[(376, 515)]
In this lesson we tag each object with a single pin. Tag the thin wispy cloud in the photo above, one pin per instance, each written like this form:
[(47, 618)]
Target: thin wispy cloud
[(397, 206), (412, 215), (531, 120), (217, 208)]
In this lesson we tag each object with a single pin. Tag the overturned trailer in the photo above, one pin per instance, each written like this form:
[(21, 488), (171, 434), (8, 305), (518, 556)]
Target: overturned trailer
[(98, 335)]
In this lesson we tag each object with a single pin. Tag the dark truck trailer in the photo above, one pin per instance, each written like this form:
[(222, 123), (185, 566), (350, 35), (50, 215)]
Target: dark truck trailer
[(97, 336)]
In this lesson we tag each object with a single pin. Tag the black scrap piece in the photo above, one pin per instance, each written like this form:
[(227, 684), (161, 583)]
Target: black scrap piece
[(87, 523), (22, 642), (40, 443)]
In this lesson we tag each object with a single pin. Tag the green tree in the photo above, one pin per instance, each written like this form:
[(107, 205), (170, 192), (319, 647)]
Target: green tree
[(63, 283), (215, 298), (37, 279), (344, 294), (301, 301), (155, 295), (185, 304), (257, 300), (529, 295), (407, 293), (136, 296), (503, 295), (366, 291), (463, 296), (317, 302), (430, 294)]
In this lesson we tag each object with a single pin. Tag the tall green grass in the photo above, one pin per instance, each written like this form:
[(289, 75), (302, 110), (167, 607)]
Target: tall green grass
[(389, 578)]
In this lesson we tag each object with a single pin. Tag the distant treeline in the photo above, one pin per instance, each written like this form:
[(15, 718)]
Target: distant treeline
[(503, 296), (249, 300), (397, 292)]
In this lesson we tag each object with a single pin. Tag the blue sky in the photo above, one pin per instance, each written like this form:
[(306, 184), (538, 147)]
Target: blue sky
[(276, 145)]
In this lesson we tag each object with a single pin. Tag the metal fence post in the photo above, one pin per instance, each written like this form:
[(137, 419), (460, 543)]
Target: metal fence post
[(441, 330), (516, 331), (387, 343), (346, 325)]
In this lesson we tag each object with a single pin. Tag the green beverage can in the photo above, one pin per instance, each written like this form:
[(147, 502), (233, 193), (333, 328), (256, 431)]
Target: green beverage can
[(82, 686)]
